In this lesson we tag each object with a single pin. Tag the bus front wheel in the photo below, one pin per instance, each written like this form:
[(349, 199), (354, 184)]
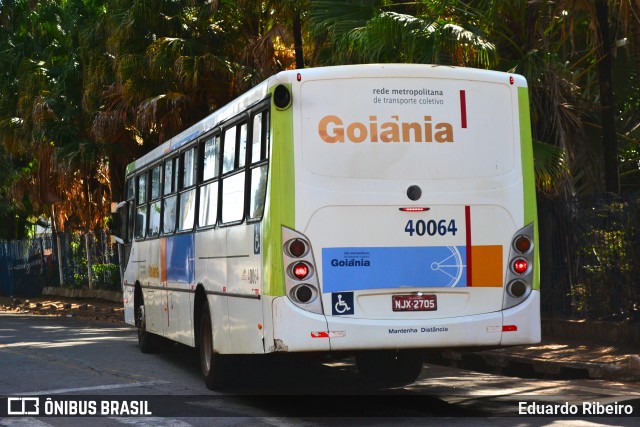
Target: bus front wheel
[(390, 366), (212, 364)]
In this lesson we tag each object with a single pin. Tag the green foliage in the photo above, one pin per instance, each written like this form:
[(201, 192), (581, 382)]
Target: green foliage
[(374, 31), (106, 276), (610, 257)]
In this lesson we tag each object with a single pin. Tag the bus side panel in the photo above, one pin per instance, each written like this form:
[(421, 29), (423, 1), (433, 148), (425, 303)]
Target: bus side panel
[(211, 272), (243, 284), (177, 277), (220, 323), (148, 257)]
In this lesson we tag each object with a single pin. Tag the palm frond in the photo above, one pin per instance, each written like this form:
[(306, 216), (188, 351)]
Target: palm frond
[(550, 166)]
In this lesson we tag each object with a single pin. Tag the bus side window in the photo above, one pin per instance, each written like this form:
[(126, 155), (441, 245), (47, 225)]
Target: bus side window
[(131, 195), (209, 164), (259, 165), (229, 155), (233, 176), (141, 210), (169, 204), (187, 208), (242, 145), (154, 205)]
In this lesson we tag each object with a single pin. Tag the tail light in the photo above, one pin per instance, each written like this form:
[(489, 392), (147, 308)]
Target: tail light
[(301, 282), (300, 270), (521, 265)]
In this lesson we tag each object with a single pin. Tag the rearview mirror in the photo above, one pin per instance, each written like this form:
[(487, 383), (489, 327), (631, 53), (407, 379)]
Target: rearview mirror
[(118, 222)]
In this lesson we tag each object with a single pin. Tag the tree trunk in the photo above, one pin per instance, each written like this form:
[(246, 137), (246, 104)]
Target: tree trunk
[(607, 110), (636, 32), (297, 39)]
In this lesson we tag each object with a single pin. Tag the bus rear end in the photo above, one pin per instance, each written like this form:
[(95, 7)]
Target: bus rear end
[(415, 214)]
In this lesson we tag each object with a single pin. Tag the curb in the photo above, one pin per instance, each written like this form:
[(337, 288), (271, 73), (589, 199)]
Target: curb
[(115, 296), (501, 361)]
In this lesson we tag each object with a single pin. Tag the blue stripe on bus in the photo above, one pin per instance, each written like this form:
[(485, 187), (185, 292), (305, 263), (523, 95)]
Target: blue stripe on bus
[(180, 260), (187, 138), (353, 268)]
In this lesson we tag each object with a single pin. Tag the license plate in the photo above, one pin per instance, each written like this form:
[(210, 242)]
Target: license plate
[(414, 302)]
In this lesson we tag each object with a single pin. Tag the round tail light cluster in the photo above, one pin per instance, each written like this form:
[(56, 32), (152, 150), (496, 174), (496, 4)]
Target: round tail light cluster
[(520, 272), (300, 278)]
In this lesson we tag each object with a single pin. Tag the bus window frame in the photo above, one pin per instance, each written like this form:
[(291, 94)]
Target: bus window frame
[(216, 179), (236, 121), (130, 191), (158, 199), (138, 204), (174, 160), (177, 186), (264, 109), (192, 146)]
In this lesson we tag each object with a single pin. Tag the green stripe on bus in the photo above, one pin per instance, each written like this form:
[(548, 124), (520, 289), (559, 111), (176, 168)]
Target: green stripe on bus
[(130, 168), (528, 176), (281, 199)]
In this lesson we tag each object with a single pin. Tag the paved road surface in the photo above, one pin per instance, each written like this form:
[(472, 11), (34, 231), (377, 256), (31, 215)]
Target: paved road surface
[(66, 359)]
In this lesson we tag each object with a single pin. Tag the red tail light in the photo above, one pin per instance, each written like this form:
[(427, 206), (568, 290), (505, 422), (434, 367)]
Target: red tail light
[(300, 270), (414, 209), (520, 266)]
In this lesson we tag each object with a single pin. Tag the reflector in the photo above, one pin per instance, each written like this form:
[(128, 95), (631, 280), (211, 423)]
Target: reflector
[(297, 248), (522, 244), (304, 293)]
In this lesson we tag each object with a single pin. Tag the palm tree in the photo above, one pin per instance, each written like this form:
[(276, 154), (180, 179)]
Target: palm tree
[(377, 31)]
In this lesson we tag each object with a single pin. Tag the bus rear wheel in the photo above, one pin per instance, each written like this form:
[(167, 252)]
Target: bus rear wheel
[(397, 367), (213, 365), (147, 342)]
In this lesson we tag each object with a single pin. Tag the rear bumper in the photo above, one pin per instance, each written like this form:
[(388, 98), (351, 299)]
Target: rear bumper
[(298, 330)]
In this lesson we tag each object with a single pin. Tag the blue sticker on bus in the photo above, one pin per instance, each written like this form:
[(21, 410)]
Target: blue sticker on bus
[(342, 303), (256, 239), (379, 268), (180, 258)]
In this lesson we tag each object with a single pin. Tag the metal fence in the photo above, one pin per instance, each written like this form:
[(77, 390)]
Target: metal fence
[(69, 260), (590, 258), (589, 249)]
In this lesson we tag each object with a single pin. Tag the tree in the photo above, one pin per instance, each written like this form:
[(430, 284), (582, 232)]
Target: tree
[(383, 31)]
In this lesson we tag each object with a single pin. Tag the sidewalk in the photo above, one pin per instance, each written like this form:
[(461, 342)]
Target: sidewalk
[(569, 349)]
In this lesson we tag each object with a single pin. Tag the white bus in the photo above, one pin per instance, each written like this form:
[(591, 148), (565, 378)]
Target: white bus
[(374, 210)]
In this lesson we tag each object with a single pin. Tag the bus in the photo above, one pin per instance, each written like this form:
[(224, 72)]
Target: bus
[(374, 211)]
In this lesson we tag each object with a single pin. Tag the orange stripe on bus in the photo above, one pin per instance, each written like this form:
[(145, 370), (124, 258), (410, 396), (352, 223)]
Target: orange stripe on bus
[(487, 266), (163, 260)]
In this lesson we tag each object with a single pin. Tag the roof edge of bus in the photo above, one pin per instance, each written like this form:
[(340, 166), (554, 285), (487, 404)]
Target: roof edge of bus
[(220, 114), (518, 79), (197, 129)]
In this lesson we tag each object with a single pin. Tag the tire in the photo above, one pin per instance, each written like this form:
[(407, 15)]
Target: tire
[(147, 342), (214, 366), (390, 367)]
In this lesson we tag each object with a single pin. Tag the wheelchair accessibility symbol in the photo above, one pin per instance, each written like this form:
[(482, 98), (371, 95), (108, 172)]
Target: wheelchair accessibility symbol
[(342, 303)]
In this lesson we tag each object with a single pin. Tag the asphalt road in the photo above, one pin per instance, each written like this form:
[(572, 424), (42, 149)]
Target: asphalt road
[(72, 362)]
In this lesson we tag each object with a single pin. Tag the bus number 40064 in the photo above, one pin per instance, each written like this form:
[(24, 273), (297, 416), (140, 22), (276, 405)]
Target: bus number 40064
[(431, 227)]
